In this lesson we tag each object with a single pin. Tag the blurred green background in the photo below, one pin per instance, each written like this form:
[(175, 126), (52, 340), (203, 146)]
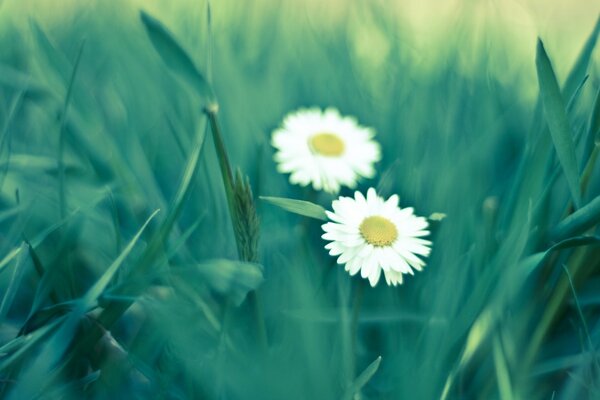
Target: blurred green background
[(90, 148)]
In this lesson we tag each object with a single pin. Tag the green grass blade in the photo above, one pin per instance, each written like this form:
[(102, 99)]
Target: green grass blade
[(62, 132), (578, 307), (594, 129), (532, 262), (102, 283), (301, 207), (580, 221), (363, 379), (57, 61), (502, 371), (558, 124), (14, 283), (579, 70), (175, 57)]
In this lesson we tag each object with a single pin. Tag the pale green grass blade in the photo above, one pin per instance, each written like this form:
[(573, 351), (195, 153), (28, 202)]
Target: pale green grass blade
[(175, 57), (502, 371), (301, 207), (363, 379), (579, 222), (558, 123)]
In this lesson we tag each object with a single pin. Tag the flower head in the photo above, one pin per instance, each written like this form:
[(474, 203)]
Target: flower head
[(325, 149), (371, 235)]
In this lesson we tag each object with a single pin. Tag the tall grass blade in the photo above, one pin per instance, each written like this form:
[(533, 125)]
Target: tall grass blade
[(502, 371), (362, 379), (558, 124), (579, 70), (15, 282), (62, 132), (102, 283), (300, 207), (578, 222), (175, 57)]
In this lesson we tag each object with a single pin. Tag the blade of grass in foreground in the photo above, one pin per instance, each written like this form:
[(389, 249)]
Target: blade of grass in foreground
[(558, 124), (362, 379), (175, 57), (578, 222), (581, 65), (301, 207), (30, 385)]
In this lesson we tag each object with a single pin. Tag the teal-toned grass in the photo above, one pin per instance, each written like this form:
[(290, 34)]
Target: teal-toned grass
[(491, 316)]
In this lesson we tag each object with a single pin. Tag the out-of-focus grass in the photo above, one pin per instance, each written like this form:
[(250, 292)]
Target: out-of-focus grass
[(492, 316)]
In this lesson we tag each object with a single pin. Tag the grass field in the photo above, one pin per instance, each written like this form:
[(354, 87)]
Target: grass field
[(141, 256)]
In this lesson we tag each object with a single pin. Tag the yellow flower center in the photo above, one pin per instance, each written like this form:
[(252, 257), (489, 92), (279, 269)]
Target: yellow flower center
[(378, 231), (326, 144)]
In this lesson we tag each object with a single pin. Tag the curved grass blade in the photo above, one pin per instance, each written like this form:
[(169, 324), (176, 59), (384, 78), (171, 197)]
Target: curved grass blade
[(580, 221), (558, 124), (301, 207), (175, 57), (532, 262)]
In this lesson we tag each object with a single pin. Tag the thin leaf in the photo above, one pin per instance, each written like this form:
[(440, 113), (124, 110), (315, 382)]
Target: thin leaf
[(175, 57), (62, 132), (101, 284), (558, 124), (56, 60), (576, 95), (300, 207), (595, 120), (14, 283), (579, 70), (532, 262), (578, 222), (502, 374), (363, 379), (578, 307), (592, 142)]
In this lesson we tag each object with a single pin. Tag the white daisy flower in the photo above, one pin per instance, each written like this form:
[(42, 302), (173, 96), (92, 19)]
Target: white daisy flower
[(325, 149), (373, 235)]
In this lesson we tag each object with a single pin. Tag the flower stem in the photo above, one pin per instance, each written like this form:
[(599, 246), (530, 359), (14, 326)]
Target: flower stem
[(356, 307), (228, 181)]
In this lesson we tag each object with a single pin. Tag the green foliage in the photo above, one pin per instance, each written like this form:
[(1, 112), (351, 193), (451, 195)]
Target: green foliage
[(108, 115), (300, 207)]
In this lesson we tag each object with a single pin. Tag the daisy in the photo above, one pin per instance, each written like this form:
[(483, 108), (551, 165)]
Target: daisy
[(371, 235), (325, 149)]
